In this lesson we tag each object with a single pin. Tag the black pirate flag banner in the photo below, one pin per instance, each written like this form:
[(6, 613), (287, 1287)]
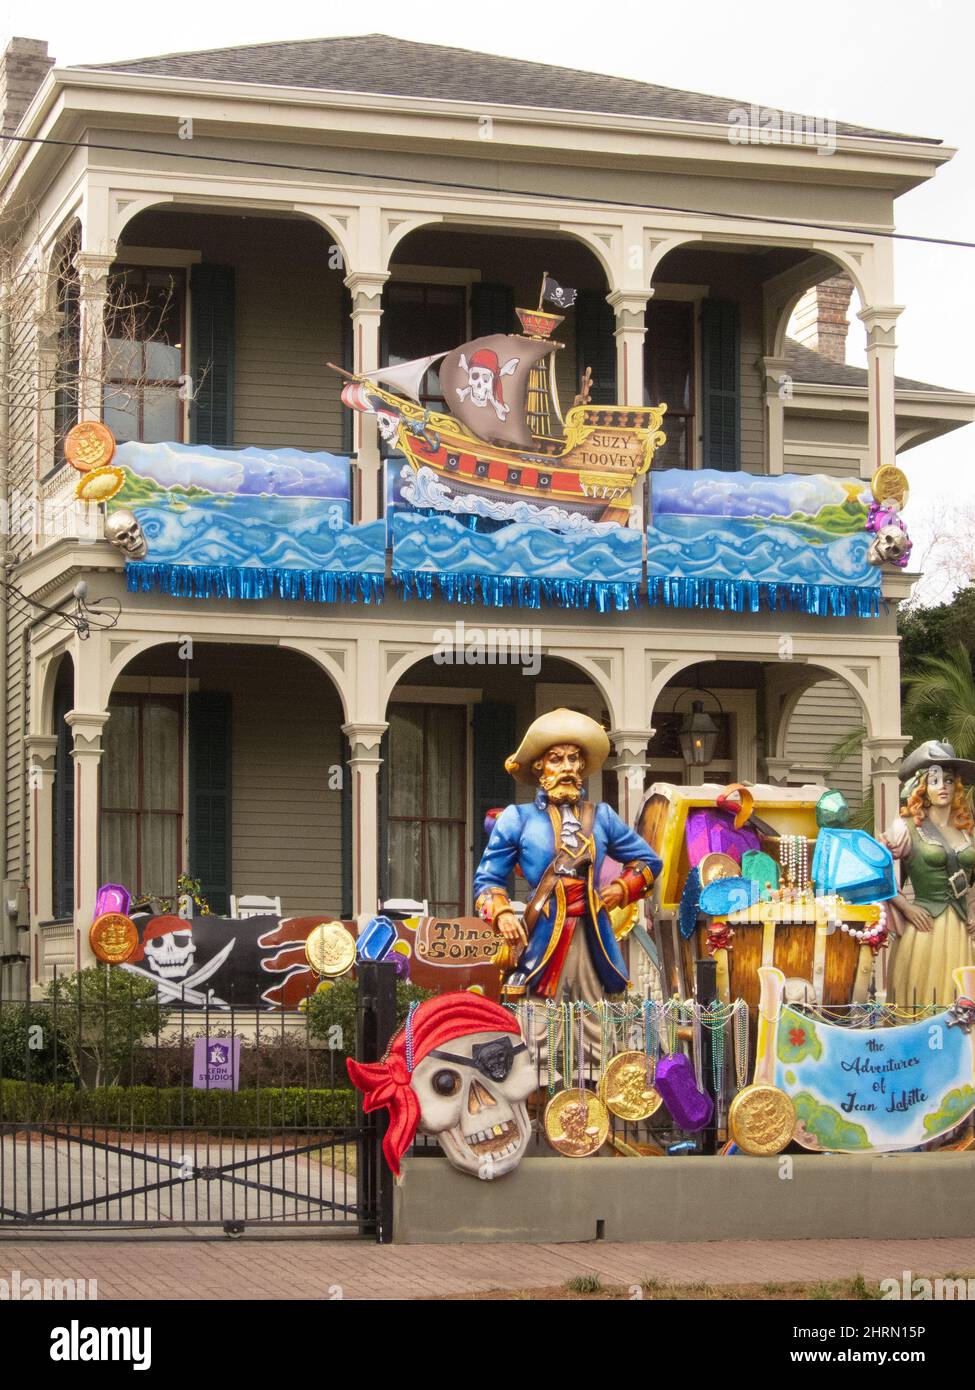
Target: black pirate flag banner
[(559, 294)]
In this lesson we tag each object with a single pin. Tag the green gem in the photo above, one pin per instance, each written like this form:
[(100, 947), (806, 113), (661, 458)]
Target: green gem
[(832, 809)]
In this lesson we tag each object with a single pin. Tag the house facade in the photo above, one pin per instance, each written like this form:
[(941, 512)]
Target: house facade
[(367, 201)]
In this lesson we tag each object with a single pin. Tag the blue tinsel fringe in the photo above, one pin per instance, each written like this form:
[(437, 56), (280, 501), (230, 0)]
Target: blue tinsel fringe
[(750, 595), (506, 591), (501, 591), (228, 581)]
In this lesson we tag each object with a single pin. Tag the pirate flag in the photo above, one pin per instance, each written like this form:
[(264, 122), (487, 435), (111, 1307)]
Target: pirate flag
[(559, 294)]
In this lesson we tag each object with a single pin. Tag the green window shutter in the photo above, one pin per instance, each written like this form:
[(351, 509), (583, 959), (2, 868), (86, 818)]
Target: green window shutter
[(212, 355), (492, 310), (209, 796), (720, 384), (63, 807), (494, 740), (596, 345)]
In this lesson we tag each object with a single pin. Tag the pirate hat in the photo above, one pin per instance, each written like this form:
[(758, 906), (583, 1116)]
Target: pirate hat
[(559, 726), (936, 754)]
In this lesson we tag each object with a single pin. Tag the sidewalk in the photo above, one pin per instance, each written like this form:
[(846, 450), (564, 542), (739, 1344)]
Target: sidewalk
[(283, 1268)]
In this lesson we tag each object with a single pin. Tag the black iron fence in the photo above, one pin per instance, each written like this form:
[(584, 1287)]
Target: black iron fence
[(119, 1110)]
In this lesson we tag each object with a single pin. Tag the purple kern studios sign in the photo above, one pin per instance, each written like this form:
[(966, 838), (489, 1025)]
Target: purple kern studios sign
[(216, 1064)]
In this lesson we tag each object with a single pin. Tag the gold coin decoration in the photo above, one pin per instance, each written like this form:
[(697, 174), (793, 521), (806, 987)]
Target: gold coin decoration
[(99, 484), (89, 445), (625, 1090), (330, 949), (576, 1123), (717, 865), (889, 484), (113, 937), (762, 1120)]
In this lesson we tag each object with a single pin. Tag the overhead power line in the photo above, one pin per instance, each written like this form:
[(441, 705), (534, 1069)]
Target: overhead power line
[(397, 178)]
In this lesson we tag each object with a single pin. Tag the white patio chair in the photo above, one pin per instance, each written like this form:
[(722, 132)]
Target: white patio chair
[(254, 905)]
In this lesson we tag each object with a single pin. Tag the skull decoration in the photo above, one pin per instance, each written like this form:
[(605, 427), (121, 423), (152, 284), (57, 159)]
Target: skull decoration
[(459, 1069), (123, 530), (890, 546), (472, 1097), (168, 947), (479, 379)]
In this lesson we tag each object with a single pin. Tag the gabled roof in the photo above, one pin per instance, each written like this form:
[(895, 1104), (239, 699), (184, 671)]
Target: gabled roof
[(386, 66), (812, 367)]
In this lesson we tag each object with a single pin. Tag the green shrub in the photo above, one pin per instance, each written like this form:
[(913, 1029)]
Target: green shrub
[(331, 1012), (148, 1107), (28, 1044)]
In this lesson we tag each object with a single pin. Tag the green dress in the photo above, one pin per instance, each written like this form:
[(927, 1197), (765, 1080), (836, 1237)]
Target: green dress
[(924, 961)]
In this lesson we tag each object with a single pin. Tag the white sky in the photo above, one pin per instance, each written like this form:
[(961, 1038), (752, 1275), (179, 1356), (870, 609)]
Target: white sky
[(901, 65)]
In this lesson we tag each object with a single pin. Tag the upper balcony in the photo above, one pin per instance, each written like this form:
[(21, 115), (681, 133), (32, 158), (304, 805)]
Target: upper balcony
[(215, 335)]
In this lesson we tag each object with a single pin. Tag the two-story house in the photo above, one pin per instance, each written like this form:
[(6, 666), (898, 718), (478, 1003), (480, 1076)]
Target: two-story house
[(369, 201)]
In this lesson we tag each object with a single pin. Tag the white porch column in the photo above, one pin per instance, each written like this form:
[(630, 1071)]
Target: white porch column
[(93, 268), (86, 728), (630, 308), (630, 766), (366, 288), (778, 389), (365, 763), (879, 321), (886, 755), (41, 752)]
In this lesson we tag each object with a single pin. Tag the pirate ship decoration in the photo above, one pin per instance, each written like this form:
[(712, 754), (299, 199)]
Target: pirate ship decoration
[(505, 439)]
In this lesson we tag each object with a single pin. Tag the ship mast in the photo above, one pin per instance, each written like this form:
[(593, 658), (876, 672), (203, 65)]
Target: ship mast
[(541, 402)]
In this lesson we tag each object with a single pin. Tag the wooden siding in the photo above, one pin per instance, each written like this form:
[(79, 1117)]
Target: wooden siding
[(824, 715)]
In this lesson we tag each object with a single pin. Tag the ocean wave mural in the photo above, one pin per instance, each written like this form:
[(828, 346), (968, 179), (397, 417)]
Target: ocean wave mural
[(735, 541), (248, 523)]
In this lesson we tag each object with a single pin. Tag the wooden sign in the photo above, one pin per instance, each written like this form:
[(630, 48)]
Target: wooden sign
[(457, 942)]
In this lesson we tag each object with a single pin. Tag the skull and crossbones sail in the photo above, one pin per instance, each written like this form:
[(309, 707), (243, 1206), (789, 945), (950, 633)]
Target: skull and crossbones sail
[(485, 383)]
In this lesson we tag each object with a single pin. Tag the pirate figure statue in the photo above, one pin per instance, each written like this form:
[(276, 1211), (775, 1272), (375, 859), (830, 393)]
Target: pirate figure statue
[(560, 841)]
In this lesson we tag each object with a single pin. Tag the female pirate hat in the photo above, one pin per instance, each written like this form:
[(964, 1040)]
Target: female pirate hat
[(559, 726), (936, 754)]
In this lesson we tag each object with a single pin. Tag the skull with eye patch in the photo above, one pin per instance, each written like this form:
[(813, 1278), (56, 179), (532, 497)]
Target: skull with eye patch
[(472, 1096), (457, 1068)]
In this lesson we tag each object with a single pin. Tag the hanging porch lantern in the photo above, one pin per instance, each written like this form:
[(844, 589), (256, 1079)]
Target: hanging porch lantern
[(697, 735)]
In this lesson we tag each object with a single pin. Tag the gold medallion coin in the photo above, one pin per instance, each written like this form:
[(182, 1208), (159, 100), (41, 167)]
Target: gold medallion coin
[(717, 865), (576, 1123), (89, 445), (889, 484), (113, 937), (625, 1090), (330, 949), (762, 1120), (100, 484)]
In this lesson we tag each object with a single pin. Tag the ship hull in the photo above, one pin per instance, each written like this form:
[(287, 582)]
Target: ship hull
[(592, 471)]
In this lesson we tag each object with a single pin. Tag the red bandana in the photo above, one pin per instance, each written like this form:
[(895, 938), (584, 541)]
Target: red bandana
[(388, 1083)]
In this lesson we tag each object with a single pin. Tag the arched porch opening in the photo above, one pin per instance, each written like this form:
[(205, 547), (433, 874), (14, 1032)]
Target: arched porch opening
[(448, 283), (452, 720), (226, 762), (778, 722), (239, 311)]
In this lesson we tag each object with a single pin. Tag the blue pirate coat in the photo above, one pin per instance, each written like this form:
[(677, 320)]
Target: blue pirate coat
[(525, 835)]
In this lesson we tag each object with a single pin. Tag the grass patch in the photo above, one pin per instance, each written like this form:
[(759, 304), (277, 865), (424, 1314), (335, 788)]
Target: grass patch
[(584, 1283)]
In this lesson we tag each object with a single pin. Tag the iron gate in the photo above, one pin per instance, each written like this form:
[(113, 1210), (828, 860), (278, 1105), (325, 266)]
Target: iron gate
[(106, 1120)]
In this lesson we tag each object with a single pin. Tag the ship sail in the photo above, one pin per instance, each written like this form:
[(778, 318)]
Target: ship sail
[(485, 384), (406, 377)]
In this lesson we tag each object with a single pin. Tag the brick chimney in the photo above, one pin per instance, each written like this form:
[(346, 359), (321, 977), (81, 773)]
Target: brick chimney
[(23, 68), (820, 319)]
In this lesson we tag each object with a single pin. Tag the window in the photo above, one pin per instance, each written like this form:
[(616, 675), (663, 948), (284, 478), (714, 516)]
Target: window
[(668, 375), (427, 800), (144, 354), (68, 351), (419, 320), (141, 825)]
